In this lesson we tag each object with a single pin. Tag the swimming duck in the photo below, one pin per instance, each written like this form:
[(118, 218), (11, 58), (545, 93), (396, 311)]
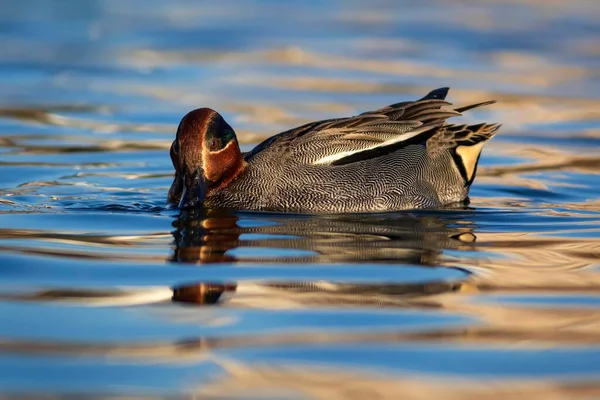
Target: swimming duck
[(403, 156)]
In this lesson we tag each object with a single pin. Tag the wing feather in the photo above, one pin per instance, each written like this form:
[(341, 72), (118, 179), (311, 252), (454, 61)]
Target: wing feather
[(345, 140)]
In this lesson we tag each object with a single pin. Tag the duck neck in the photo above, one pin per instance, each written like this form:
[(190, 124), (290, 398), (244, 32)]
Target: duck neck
[(231, 174)]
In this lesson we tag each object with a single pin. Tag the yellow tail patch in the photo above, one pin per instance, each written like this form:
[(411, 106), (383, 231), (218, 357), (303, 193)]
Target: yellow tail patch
[(469, 156)]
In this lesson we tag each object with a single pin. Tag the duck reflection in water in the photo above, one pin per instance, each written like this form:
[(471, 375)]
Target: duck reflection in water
[(211, 236), (204, 237), (220, 236)]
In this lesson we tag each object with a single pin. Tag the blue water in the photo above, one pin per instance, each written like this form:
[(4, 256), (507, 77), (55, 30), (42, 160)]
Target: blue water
[(104, 291)]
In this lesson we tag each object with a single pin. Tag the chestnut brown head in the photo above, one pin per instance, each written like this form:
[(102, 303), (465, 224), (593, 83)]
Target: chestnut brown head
[(206, 156)]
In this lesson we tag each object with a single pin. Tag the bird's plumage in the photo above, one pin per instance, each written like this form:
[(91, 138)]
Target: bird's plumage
[(401, 156)]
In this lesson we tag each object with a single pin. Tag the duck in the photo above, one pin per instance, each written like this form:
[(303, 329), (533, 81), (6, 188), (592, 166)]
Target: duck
[(403, 156)]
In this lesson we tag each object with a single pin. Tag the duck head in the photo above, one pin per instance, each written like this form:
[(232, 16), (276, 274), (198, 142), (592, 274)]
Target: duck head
[(206, 156)]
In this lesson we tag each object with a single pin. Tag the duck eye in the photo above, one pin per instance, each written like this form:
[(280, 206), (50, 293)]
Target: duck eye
[(213, 144), (175, 148)]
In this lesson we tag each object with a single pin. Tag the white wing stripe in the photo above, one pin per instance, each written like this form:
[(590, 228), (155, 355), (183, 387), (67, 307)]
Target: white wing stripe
[(400, 138)]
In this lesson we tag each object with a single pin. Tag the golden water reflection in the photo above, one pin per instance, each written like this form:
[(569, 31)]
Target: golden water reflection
[(86, 124), (506, 266)]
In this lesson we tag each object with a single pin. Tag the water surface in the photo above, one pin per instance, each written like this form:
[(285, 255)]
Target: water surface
[(106, 292)]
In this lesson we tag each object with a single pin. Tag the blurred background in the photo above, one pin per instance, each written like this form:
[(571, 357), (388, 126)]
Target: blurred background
[(104, 292)]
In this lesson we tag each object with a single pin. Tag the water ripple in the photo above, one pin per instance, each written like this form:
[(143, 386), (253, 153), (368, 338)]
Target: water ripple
[(106, 292)]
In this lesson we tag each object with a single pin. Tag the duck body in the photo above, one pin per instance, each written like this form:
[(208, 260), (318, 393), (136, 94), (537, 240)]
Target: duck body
[(404, 156), (404, 179)]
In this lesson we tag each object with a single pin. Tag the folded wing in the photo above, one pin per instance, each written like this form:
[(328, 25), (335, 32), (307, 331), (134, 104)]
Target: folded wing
[(371, 134)]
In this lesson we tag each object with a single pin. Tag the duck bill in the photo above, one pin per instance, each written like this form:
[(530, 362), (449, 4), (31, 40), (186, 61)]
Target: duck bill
[(194, 191), (175, 191)]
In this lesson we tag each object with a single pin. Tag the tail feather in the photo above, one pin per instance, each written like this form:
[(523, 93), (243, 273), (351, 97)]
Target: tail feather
[(440, 93), (471, 106), (465, 143), (437, 94)]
